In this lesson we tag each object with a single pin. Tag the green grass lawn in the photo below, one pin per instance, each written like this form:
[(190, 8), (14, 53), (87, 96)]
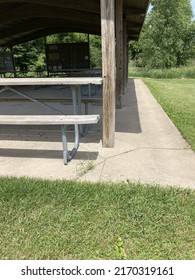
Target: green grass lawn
[(185, 72), (177, 97), (71, 220)]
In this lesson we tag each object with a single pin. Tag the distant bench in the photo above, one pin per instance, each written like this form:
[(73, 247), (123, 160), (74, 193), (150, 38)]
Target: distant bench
[(62, 120)]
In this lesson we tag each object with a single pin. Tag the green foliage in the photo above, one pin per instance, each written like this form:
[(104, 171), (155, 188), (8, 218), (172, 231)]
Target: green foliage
[(190, 40), (66, 38), (30, 55), (84, 167), (120, 250), (95, 51), (184, 72), (39, 63), (167, 36)]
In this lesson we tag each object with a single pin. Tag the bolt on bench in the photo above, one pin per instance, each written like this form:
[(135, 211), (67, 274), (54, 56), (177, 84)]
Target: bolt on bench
[(63, 120)]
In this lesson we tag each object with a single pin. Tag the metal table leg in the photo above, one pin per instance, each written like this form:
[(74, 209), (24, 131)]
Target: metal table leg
[(65, 146), (66, 155), (83, 128)]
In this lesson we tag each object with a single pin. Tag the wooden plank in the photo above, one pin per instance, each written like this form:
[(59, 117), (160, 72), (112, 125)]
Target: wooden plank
[(108, 70), (50, 81), (119, 52), (48, 119)]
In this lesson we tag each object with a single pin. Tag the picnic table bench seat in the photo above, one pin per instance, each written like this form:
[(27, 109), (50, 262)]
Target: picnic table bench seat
[(62, 120)]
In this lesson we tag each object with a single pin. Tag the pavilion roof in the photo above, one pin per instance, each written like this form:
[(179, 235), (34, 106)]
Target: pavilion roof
[(24, 20)]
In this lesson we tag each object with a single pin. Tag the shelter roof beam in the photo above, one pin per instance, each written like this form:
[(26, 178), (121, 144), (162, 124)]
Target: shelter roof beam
[(90, 6), (29, 11), (43, 23), (49, 31)]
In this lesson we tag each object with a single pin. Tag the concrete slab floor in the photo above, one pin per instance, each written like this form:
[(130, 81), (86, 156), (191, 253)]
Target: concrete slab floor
[(148, 147)]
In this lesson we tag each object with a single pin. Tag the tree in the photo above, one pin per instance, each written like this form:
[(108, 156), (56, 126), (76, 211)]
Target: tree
[(95, 51), (164, 42), (190, 42), (29, 55)]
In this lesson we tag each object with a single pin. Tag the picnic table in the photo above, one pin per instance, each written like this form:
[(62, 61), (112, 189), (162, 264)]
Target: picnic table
[(63, 120)]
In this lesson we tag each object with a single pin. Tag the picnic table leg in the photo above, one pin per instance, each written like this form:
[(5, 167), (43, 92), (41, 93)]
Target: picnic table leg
[(83, 127), (66, 155), (76, 141), (89, 90), (79, 108), (65, 146), (76, 97), (76, 105)]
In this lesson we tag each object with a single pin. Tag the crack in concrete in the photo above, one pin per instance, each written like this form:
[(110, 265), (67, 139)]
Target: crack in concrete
[(148, 148), (131, 151)]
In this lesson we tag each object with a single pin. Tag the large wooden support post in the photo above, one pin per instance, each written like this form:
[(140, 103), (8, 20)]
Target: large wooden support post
[(108, 70), (119, 52), (125, 52), (12, 54), (127, 61)]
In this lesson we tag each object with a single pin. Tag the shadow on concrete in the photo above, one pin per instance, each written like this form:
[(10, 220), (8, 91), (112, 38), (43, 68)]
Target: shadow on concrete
[(127, 121), (46, 134), (57, 154), (127, 118)]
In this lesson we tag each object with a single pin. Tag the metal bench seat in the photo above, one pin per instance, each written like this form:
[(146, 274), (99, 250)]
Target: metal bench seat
[(62, 120)]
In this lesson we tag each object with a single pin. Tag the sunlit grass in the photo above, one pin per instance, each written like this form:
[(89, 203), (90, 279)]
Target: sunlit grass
[(71, 220), (187, 72), (177, 97)]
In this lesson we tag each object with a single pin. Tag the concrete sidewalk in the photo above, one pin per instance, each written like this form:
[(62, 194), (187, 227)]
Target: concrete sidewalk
[(148, 147)]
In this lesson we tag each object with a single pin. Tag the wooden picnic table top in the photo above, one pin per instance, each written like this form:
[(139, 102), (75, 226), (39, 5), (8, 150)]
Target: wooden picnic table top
[(50, 81)]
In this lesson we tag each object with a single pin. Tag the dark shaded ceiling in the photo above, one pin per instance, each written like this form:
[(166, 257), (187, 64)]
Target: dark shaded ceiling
[(24, 20)]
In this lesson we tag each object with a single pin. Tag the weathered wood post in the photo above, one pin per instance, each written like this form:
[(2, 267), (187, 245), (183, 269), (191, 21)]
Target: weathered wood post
[(125, 52), (14, 66), (119, 52), (108, 70), (127, 61)]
